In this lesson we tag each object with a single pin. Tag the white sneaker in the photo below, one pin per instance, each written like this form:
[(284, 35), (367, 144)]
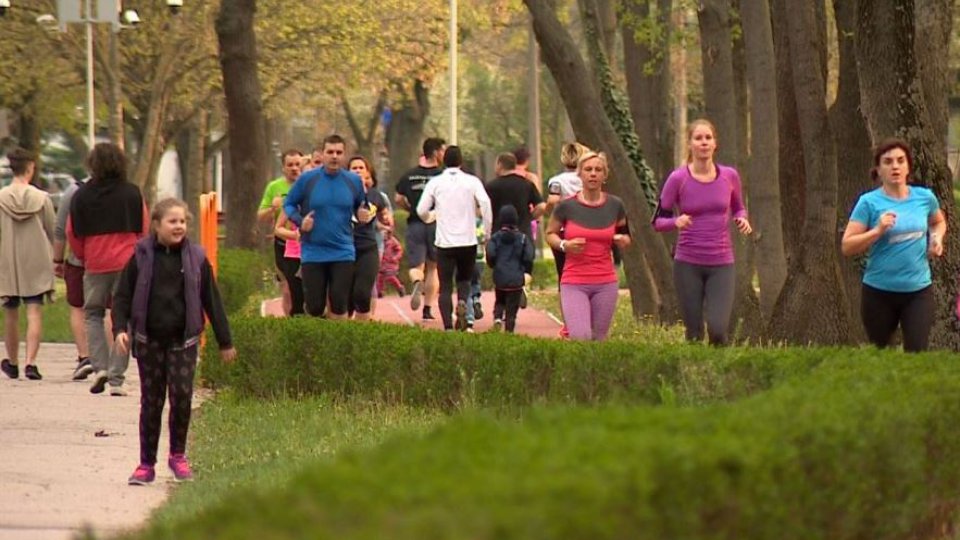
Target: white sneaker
[(117, 391), (99, 382)]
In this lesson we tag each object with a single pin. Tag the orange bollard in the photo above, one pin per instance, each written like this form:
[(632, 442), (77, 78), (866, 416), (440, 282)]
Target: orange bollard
[(209, 234)]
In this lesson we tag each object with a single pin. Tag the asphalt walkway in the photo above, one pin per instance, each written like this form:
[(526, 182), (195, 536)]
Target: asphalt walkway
[(65, 455)]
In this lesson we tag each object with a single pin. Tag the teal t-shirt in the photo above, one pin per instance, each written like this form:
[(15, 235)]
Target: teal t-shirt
[(897, 262)]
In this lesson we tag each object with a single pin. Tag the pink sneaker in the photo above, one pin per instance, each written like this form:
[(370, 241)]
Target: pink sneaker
[(143, 475), (181, 467), (564, 333)]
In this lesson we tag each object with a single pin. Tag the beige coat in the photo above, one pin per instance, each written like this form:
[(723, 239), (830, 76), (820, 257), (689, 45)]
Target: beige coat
[(27, 221)]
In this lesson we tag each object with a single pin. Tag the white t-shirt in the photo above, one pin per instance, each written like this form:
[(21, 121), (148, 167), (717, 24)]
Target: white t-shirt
[(454, 196), (566, 184)]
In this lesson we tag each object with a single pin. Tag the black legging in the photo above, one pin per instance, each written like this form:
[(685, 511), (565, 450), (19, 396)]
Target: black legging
[(455, 262), (705, 290), (294, 283), (319, 279), (365, 271), (164, 370), (882, 311), (506, 306)]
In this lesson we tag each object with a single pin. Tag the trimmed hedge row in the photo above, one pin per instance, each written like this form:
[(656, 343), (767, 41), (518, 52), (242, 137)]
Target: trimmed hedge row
[(409, 365), (242, 274), (861, 448)]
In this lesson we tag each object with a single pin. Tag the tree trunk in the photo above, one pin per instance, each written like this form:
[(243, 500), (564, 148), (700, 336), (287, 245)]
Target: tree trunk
[(853, 147), (593, 127), (647, 67), (405, 134), (790, 154), (764, 188), (115, 92), (721, 97), (246, 127), (644, 295), (812, 307), (191, 157), (895, 104), (365, 134)]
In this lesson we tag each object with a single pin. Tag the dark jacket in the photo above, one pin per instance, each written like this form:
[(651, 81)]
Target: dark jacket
[(509, 253), (163, 294)]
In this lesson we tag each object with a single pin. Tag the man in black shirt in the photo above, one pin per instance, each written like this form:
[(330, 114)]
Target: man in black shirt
[(510, 187), (421, 251)]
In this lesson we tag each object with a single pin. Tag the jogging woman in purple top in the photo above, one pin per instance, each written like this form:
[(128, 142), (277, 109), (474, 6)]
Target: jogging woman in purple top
[(698, 199)]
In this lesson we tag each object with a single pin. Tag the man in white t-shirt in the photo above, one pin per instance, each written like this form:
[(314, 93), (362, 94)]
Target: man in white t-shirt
[(454, 196)]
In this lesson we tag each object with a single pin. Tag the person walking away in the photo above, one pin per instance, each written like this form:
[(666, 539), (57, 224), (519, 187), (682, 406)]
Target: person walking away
[(421, 232), (27, 221), (699, 199), (390, 264), (509, 253), (593, 221), (900, 227), (474, 305), (271, 207), (162, 296), (323, 204), (70, 269), (454, 197), (107, 218)]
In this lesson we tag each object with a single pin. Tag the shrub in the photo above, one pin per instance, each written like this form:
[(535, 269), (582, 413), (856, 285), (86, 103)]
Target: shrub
[(862, 447), (241, 275), (305, 356)]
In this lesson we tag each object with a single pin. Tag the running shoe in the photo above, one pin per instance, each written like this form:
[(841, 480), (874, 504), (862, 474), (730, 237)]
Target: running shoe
[(564, 333), (497, 325), (181, 467), (117, 391), (415, 297), (99, 382), (142, 475), (427, 314), (84, 369), (10, 369), (32, 373), (477, 310)]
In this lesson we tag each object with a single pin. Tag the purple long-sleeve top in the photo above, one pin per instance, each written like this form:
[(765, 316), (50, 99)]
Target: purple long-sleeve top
[(710, 205)]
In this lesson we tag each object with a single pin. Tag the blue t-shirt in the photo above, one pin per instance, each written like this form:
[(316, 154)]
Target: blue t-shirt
[(897, 262), (333, 200)]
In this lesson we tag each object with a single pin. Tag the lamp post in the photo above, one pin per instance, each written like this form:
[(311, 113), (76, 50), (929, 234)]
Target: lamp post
[(453, 71)]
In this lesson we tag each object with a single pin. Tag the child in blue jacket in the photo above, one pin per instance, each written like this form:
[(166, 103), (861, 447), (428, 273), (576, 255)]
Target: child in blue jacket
[(509, 253)]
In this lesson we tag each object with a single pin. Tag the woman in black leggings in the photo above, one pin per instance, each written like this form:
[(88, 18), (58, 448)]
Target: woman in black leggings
[(367, 264), (898, 226)]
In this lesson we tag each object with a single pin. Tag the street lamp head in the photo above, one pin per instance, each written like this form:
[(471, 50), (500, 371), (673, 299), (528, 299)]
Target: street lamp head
[(173, 5), (131, 17), (4, 6)]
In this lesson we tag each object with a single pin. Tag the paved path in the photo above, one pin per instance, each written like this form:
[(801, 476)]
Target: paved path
[(391, 309), (56, 475)]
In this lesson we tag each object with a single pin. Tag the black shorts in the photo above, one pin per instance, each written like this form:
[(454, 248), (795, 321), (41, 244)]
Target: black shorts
[(421, 238), (13, 302)]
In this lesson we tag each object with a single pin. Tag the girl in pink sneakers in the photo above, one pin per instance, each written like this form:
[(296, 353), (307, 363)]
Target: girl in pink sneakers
[(163, 293)]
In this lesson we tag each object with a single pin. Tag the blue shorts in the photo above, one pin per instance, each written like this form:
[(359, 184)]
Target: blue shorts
[(13, 302)]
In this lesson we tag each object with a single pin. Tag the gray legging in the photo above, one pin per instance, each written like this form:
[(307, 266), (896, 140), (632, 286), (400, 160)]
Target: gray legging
[(705, 288)]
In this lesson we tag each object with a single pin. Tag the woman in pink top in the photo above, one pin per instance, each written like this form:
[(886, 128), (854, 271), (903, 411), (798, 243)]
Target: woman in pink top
[(287, 230), (592, 222), (699, 199)]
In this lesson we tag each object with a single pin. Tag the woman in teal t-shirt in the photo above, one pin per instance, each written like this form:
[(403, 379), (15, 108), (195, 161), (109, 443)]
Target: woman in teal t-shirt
[(899, 226)]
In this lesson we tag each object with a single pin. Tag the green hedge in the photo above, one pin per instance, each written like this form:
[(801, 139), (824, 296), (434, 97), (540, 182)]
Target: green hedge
[(399, 364), (864, 447), (242, 274)]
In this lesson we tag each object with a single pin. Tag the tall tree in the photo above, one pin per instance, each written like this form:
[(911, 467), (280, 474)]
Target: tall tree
[(721, 98), (406, 130), (764, 188), (246, 126), (812, 306), (852, 141), (593, 127), (900, 98), (646, 58)]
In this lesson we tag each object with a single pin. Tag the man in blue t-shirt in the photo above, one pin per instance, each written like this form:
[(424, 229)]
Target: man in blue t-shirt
[(322, 203)]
